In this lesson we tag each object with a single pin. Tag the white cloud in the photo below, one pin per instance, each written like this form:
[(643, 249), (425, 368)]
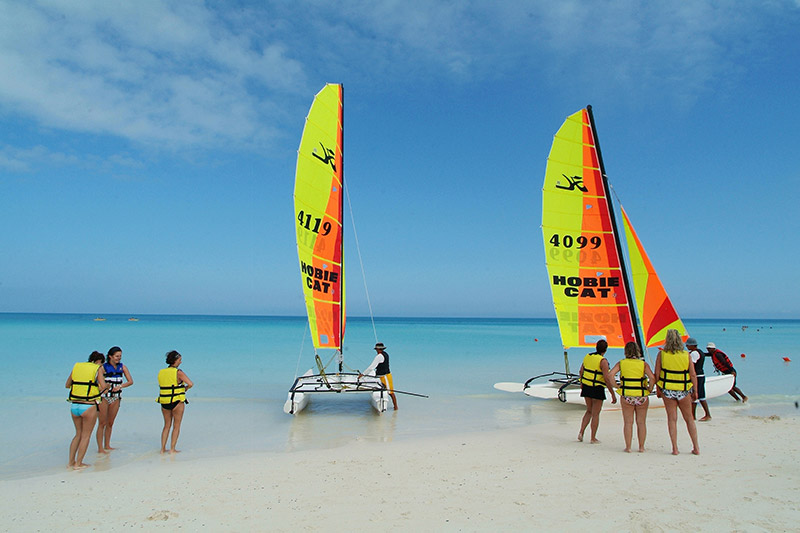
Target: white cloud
[(188, 73), (149, 71)]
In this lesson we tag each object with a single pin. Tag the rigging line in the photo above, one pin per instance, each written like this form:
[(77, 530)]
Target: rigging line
[(302, 345), (358, 250)]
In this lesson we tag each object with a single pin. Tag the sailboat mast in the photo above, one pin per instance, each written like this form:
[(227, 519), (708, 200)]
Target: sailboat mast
[(341, 210), (623, 266)]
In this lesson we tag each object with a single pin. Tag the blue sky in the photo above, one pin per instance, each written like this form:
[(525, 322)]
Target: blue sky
[(147, 149)]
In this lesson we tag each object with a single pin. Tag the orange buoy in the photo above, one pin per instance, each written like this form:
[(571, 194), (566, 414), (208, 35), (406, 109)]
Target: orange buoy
[(535, 340), (787, 359), (743, 356)]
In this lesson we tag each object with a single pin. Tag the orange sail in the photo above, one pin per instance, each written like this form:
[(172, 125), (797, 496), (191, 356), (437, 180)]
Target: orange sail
[(655, 309), (582, 250), (318, 214)]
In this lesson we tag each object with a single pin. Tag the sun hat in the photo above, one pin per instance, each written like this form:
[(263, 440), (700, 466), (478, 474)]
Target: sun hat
[(691, 341), (711, 345)]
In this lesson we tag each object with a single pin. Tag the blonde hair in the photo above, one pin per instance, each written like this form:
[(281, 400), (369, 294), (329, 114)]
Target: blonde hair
[(632, 351), (673, 342)]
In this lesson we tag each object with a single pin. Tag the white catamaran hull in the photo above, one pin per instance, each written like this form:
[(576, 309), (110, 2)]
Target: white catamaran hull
[(310, 384), (715, 386)]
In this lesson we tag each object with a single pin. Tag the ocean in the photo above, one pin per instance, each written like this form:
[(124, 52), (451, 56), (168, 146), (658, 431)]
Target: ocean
[(242, 367)]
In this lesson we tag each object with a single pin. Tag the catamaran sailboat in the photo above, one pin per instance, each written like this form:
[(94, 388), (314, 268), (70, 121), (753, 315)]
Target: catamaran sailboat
[(319, 214), (592, 293)]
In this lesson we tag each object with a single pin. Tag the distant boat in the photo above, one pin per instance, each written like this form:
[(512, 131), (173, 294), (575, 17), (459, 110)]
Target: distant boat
[(132, 319), (99, 319), (592, 294), (319, 212)]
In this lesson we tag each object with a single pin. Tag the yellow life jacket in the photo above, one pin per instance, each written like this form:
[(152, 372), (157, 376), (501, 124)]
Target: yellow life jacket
[(675, 371), (592, 373), (84, 388), (168, 384), (633, 382)]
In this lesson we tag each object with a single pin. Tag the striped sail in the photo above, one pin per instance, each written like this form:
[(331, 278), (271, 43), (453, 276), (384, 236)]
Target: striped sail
[(318, 217), (655, 310), (581, 249)]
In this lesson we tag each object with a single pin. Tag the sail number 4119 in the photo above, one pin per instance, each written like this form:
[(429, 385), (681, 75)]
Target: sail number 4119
[(568, 241), (314, 224)]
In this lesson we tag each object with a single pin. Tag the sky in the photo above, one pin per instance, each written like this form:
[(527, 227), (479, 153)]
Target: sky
[(148, 150)]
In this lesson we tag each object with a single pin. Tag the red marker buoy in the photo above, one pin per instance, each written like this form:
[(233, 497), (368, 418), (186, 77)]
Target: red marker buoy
[(743, 356), (535, 340), (787, 359)]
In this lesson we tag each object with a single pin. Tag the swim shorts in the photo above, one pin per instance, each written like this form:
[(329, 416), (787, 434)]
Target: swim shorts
[(597, 393)]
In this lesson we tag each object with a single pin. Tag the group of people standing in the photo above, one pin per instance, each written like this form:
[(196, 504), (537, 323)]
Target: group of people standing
[(679, 380), (95, 393)]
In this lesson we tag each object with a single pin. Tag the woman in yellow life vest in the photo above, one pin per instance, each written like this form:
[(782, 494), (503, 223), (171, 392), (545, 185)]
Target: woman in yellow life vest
[(677, 386), (85, 384), (172, 384), (636, 383), (594, 378)]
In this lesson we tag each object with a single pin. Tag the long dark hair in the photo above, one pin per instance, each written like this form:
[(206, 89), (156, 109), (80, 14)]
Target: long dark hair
[(97, 356)]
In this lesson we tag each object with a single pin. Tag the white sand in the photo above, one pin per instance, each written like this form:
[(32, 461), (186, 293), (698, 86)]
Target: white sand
[(534, 478)]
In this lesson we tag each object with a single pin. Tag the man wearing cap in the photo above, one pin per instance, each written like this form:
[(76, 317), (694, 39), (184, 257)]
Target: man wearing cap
[(698, 358), (381, 367), (723, 364)]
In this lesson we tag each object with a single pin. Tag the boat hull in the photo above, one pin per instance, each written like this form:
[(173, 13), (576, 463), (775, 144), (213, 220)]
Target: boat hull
[(310, 384), (715, 386)]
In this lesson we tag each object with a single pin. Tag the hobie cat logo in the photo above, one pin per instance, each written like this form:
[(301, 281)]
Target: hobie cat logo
[(575, 182), (329, 156)]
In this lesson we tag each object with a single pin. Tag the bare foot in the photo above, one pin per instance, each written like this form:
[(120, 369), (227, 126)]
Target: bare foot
[(580, 437), (174, 451), (641, 450), (695, 452), (705, 418), (80, 466), (595, 441), (101, 451), (744, 400), (627, 450), (109, 448), (675, 452)]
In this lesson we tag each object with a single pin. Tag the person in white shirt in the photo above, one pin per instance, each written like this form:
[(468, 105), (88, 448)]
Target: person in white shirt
[(380, 365)]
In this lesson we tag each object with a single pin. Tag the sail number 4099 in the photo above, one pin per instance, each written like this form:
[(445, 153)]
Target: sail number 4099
[(313, 223), (568, 241)]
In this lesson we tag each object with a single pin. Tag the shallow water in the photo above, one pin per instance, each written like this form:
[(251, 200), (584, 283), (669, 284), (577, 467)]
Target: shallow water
[(243, 366)]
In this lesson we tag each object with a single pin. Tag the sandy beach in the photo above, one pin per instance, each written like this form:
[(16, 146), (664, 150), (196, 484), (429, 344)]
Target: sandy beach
[(746, 478)]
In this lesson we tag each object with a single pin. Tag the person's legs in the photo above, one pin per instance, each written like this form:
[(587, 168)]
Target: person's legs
[(73, 445), (627, 423), (597, 405), (101, 424), (177, 418), (641, 423), (88, 418), (685, 405), (587, 417), (111, 415), (165, 432), (671, 408)]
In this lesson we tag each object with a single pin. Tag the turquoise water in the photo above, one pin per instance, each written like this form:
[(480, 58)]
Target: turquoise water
[(243, 366)]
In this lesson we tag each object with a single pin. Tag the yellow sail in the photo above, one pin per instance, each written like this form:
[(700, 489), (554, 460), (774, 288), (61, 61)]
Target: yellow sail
[(318, 217), (581, 248)]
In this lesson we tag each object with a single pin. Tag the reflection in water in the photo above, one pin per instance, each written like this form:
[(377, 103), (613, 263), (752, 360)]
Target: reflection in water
[(337, 420)]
